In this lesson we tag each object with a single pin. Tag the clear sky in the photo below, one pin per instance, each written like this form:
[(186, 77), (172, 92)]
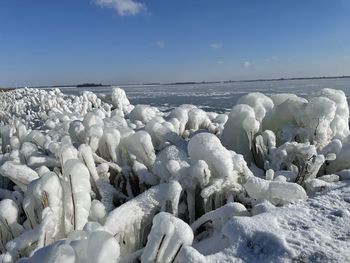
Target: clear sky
[(50, 42)]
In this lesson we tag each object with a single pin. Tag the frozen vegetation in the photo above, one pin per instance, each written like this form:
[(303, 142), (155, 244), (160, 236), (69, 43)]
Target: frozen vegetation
[(83, 179)]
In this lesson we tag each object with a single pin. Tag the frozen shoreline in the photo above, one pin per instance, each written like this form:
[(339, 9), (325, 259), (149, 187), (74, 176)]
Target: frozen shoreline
[(83, 179)]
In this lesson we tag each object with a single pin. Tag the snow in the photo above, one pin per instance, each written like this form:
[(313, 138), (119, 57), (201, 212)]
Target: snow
[(87, 179)]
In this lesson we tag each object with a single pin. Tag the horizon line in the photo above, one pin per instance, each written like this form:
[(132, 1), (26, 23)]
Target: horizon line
[(92, 84)]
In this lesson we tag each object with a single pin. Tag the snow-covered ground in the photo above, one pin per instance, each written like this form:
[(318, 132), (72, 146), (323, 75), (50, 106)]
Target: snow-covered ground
[(87, 178)]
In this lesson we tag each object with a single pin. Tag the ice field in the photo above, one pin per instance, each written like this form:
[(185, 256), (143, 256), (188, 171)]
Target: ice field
[(235, 172), (217, 97)]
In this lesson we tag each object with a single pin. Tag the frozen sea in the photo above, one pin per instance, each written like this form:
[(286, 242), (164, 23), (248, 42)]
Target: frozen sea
[(218, 97)]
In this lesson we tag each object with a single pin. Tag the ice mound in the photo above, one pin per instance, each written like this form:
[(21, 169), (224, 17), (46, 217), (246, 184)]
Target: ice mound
[(120, 101), (84, 179)]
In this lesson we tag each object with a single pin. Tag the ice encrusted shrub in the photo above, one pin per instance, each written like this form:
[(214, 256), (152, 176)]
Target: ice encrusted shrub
[(120, 101), (143, 113), (228, 170), (174, 230), (292, 133), (84, 179)]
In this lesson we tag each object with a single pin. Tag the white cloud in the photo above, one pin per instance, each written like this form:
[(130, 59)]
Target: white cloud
[(215, 45), (123, 7), (247, 64), (220, 62), (160, 44), (272, 58)]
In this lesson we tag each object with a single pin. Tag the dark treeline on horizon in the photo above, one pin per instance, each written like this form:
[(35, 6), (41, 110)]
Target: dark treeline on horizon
[(87, 85)]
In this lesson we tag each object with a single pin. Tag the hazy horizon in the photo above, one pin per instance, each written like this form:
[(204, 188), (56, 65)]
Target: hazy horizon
[(183, 82), (131, 41)]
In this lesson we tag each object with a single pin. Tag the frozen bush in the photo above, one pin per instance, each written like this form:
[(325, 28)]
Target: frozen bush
[(143, 113), (207, 147), (168, 235), (340, 122), (140, 147), (181, 114), (120, 100), (45, 192), (108, 144), (130, 222), (77, 178), (82, 180), (259, 102), (197, 119), (161, 165), (240, 129), (163, 132)]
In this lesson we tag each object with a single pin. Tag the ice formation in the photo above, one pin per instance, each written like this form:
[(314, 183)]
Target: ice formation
[(84, 179)]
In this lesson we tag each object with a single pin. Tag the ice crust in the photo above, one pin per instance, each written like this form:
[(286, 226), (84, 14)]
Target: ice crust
[(83, 179)]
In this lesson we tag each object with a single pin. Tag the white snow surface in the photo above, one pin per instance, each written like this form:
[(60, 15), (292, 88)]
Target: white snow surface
[(87, 180)]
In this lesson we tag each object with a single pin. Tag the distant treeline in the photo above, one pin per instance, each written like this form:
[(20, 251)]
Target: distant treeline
[(297, 78), (254, 80), (87, 85), (5, 89)]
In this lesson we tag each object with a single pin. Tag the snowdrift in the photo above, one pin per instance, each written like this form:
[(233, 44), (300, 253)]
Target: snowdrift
[(84, 180)]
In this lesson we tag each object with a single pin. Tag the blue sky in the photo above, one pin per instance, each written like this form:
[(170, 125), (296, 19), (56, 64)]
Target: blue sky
[(55, 42)]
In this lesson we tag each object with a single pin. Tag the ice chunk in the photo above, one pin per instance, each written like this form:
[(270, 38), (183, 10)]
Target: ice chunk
[(274, 191), (217, 218), (329, 178), (21, 175), (316, 185)]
